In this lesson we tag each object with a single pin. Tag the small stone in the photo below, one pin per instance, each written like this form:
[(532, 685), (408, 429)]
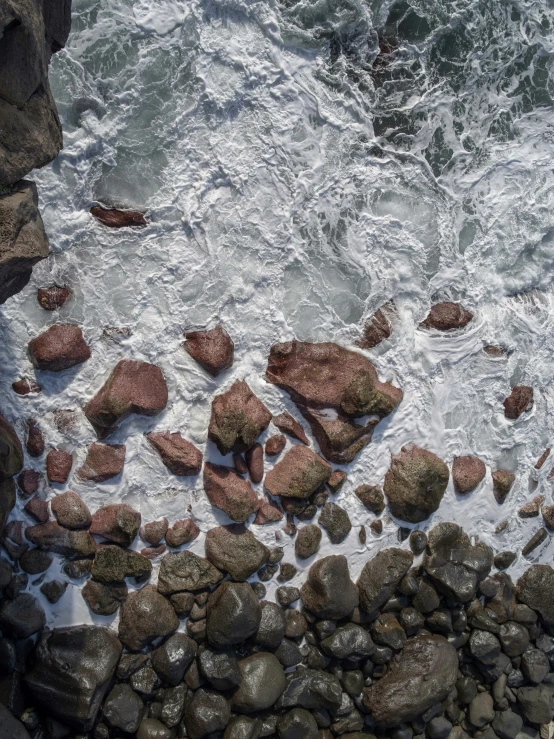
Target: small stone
[(535, 703), (213, 349), (104, 598), (77, 568), (26, 386), (236, 550), (115, 218), (52, 537), (299, 474), (182, 603), (262, 682), (60, 347), (336, 521), (348, 642), (71, 511), (154, 532), (548, 516), (179, 455), (447, 316), (297, 723), (184, 570), (35, 440), (504, 559), (362, 535), (268, 512), (467, 473), (117, 522), (328, 591), (378, 327), (542, 459), (272, 626), (372, 498), (206, 713), (234, 614), (35, 561), (535, 541), (308, 541), (219, 667), (58, 465), (275, 445), (38, 509), (255, 461), (535, 665), (123, 708), (502, 482), (103, 462), (287, 595), (313, 689), (286, 572), (532, 508), (53, 590), (153, 552), (182, 532), (145, 616), (418, 542), (381, 576), (240, 465), (290, 426), (145, 681), (376, 527), (28, 481), (519, 401), (229, 492), (481, 710), (172, 658), (502, 526), (52, 298), (336, 481), (387, 632), (238, 418)]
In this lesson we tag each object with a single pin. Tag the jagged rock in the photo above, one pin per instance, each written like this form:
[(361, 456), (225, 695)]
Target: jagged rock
[(234, 549), (535, 588), (213, 349), (372, 498), (536, 703), (77, 568), (535, 541), (23, 241), (238, 418), (11, 451), (103, 462), (378, 327), (71, 511), (58, 465), (26, 386), (297, 723), (104, 598), (113, 564), (154, 532), (123, 708), (145, 616), (289, 425), (349, 641), (35, 440), (299, 474), (55, 538), (186, 571), (115, 218), (415, 483), (182, 532), (531, 509), (502, 483), (219, 667), (381, 576), (467, 473), (132, 387), (308, 541), (71, 672), (172, 658), (275, 445), (206, 713), (229, 492), (518, 401), (28, 482), (262, 681), (21, 617), (421, 675), (447, 316), (339, 437), (179, 455), (153, 552), (52, 298), (233, 614), (60, 347), (336, 521), (117, 522), (313, 689), (328, 591)]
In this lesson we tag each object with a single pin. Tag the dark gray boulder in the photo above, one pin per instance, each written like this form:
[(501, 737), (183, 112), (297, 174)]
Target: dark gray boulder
[(123, 708), (171, 659), (535, 588), (272, 626), (233, 614), (313, 689), (262, 681), (206, 713), (21, 617), (349, 641), (297, 724), (219, 667), (381, 576), (328, 591), (185, 570)]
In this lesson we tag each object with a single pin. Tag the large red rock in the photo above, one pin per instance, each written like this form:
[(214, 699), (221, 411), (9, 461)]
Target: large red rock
[(467, 473), (58, 465), (378, 327), (229, 492), (115, 218), (339, 437), (238, 418), (117, 522), (518, 401), (289, 425), (103, 462), (60, 347), (447, 316), (213, 350), (132, 387), (299, 474), (11, 451), (179, 455), (52, 298)]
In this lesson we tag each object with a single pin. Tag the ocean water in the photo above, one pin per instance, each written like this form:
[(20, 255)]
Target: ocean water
[(300, 163)]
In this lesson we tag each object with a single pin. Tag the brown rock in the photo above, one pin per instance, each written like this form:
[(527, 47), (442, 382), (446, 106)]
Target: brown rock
[(103, 462), (467, 473), (376, 527), (113, 563), (494, 350), (11, 451), (71, 511), (60, 347), (381, 576), (182, 532), (185, 570), (532, 508), (117, 522), (28, 482), (213, 349), (447, 316), (38, 509), (299, 474), (132, 387), (238, 418), (154, 531), (52, 298), (378, 327), (240, 465), (502, 482), (229, 492), (115, 218), (548, 515), (336, 481), (58, 465), (235, 549), (268, 512), (145, 616), (52, 537), (255, 460), (339, 437), (289, 425), (104, 598), (153, 552), (535, 541), (308, 541), (35, 440), (518, 401), (542, 459), (275, 445), (179, 455), (328, 592), (372, 498), (25, 386)]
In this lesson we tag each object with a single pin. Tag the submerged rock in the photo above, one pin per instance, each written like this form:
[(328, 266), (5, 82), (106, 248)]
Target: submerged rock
[(447, 316), (115, 218), (103, 462), (28, 482), (26, 386), (35, 440), (467, 473), (229, 492), (298, 475), (179, 455), (328, 591), (213, 349), (238, 418), (60, 347), (234, 549), (518, 401)]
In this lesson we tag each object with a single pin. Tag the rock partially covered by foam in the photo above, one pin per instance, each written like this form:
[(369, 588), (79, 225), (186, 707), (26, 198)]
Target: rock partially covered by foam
[(60, 347), (229, 492), (299, 474), (467, 472), (179, 455), (115, 218), (447, 316), (518, 401), (238, 418), (212, 349)]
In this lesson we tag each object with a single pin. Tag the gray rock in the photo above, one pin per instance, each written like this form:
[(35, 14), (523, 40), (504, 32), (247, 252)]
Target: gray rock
[(313, 689), (507, 724), (535, 703), (21, 617), (219, 667), (123, 708), (151, 728), (336, 521), (484, 646), (466, 688), (243, 727), (350, 641), (535, 665), (171, 659), (272, 626), (186, 571), (234, 614), (206, 713), (387, 632), (35, 561), (53, 590), (514, 638), (262, 681), (113, 564), (288, 653), (52, 537), (173, 705), (145, 681), (145, 616), (10, 727), (438, 728), (234, 549), (535, 588), (287, 595), (297, 724), (307, 541), (481, 710), (328, 591), (104, 598), (381, 576)]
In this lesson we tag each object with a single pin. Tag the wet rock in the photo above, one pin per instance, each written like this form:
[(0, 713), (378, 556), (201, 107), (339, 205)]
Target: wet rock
[(336, 521), (503, 560), (58, 465), (38, 509), (381, 576), (77, 568), (35, 440), (299, 474), (60, 347), (229, 492), (71, 672), (420, 676), (313, 689), (53, 590), (103, 462), (212, 349), (378, 327), (262, 681), (104, 598), (255, 461), (183, 603), (268, 512), (71, 511), (11, 451), (52, 537), (28, 482), (238, 418), (372, 498), (113, 564), (481, 710), (514, 638), (275, 445), (388, 632), (502, 482), (535, 703), (154, 532), (151, 728), (123, 708), (182, 532), (415, 483), (467, 473), (220, 668), (10, 727), (172, 658), (507, 724), (35, 561), (7, 500), (173, 705), (234, 549), (26, 386), (184, 570), (336, 481), (518, 401), (272, 626), (328, 591), (548, 516), (535, 541), (115, 218), (234, 614), (179, 455), (446, 316), (297, 723), (52, 298), (243, 727), (484, 646), (145, 616), (308, 541), (132, 387), (532, 508), (207, 712), (289, 425), (534, 665), (21, 617), (350, 641), (339, 437), (418, 542), (117, 522)]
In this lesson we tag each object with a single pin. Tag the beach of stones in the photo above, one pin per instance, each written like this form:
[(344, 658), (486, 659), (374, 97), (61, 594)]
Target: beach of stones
[(434, 639)]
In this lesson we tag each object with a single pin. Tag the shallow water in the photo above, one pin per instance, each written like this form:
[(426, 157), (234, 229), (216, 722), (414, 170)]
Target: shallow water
[(300, 163)]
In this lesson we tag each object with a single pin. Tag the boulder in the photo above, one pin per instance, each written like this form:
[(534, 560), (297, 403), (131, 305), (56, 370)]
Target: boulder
[(415, 483), (71, 672), (233, 614), (229, 492), (52, 298), (381, 576), (117, 522), (71, 511), (313, 689), (103, 462), (518, 401), (21, 617), (238, 418), (299, 474), (421, 675), (290, 426), (308, 541), (467, 473), (60, 347), (115, 218), (206, 713), (11, 451), (348, 642), (123, 708), (372, 498), (104, 598), (234, 549), (113, 564), (172, 658), (185, 570), (336, 521), (378, 327), (52, 537), (58, 465), (535, 588), (447, 316), (133, 387), (502, 483), (213, 349), (262, 682), (179, 455), (182, 532), (328, 591), (145, 616)]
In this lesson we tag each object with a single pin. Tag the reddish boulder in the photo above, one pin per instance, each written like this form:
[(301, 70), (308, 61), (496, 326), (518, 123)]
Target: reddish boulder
[(71, 511), (299, 474), (182, 532), (179, 455), (115, 218), (255, 460), (35, 440), (154, 532), (58, 465), (378, 327), (289, 425), (467, 473), (234, 549), (28, 482), (103, 462), (339, 437), (502, 482), (447, 316), (532, 508), (52, 537), (132, 387), (117, 522), (52, 298), (548, 515), (213, 350), (238, 418), (518, 401), (336, 481), (25, 386), (153, 552), (229, 492), (60, 347), (38, 509), (372, 498), (268, 512), (275, 445)]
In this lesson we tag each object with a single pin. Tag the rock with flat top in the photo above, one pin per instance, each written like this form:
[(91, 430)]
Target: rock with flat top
[(179, 455), (213, 349), (117, 522), (58, 465), (518, 401), (182, 532), (52, 298), (229, 492), (52, 537), (378, 327), (502, 483), (60, 347), (237, 420), (154, 531), (113, 564), (103, 462), (180, 571), (467, 473), (299, 474)]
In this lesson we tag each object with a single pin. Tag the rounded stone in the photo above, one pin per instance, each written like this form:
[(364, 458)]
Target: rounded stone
[(207, 712), (233, 614), (297, 724), (262, 682)]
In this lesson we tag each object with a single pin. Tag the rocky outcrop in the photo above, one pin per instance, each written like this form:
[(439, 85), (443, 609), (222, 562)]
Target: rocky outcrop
[(447, 316)]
